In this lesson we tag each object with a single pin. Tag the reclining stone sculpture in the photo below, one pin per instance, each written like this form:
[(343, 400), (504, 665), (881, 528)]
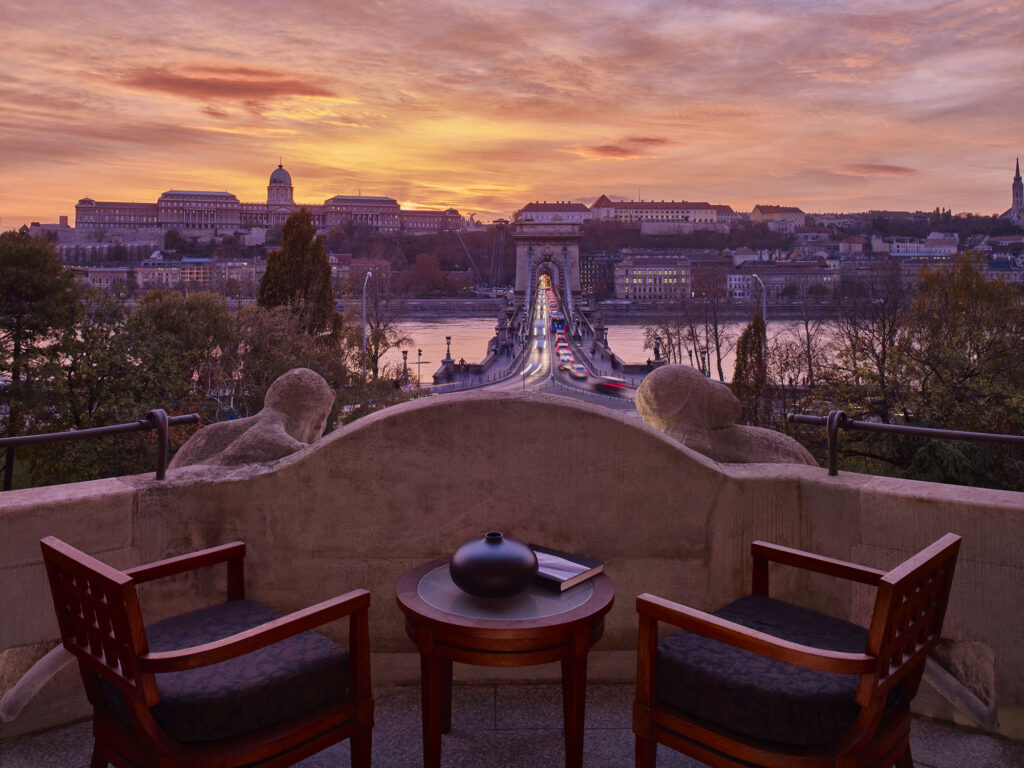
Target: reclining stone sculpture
[(294, 414), (701, 414)]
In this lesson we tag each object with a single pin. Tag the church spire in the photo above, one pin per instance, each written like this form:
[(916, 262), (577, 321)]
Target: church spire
[(1016, 176)]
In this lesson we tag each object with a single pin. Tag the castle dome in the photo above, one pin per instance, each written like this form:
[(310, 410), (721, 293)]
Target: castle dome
[(281, 176)]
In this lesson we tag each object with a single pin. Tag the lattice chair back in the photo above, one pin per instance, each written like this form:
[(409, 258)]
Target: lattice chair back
[(910, 607), (100, 621)]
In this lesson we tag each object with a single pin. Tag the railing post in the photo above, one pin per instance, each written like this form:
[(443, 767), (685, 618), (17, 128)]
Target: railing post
[(835, 418), (9, 468), (158, 418)]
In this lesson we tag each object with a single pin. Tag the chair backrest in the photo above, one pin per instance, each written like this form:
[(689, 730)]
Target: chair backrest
[(100, 620), (910, 607)]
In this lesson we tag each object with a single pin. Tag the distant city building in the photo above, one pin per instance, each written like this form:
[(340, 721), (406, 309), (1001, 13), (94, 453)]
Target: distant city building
[(938, 246), (1016, 212), (790, 281), (576, 213), (1006, 270), (156, 272), (414, 222), (630, 211), (651, 279), (205, 214), (108, 277), (789, 216), (597, 272)]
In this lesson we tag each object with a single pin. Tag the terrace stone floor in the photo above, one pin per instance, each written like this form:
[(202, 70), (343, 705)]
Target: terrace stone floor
[(519, 724)]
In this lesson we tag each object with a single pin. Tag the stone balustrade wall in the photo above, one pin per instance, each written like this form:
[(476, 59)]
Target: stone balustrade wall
[(413, 482)]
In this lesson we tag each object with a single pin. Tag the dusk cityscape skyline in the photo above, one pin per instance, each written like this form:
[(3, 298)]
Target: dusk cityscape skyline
[(829, 107)]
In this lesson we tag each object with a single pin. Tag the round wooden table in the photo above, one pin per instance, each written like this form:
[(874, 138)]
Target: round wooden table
[(535, 627)]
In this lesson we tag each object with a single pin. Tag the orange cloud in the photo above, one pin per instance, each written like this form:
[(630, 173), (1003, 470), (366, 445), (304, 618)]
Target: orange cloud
[(485, 107)]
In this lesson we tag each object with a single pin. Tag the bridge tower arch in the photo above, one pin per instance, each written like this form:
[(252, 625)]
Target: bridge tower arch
[(547, 247)]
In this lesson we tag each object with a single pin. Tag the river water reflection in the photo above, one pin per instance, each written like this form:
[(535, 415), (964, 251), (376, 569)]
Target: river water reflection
[(471, 334)]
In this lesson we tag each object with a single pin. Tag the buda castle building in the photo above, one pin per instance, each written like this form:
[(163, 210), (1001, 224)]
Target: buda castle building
[(208, 214)]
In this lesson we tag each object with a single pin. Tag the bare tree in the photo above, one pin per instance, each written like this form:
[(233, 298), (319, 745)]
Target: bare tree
[(868, 360), (383, 333)]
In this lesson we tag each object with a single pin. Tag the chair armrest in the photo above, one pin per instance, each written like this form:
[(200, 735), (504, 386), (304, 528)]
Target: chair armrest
[(731, 633), (258, 637), (762, 552), (193, 560)]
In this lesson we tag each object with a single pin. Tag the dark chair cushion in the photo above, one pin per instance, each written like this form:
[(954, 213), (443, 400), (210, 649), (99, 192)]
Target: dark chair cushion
[(760, 697), (247, 693)]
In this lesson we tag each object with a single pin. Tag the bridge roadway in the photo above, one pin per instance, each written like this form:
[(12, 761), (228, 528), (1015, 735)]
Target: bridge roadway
[(540, 366)]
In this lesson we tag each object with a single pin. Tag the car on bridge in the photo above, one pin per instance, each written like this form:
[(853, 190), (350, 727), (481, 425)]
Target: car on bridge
[(613, 387), (577, 371)]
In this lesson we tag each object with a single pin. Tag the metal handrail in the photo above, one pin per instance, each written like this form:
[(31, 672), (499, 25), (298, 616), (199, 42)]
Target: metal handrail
[(156, 419), (837, 420)]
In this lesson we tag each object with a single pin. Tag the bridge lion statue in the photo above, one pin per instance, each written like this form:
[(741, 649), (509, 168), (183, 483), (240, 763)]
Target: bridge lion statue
[(701, 414)]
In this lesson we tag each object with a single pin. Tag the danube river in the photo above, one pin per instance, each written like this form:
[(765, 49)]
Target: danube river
[(471, 334)]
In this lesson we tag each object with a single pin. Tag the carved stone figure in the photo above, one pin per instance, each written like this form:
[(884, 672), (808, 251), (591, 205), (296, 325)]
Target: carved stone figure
[(701, 414), (294, 415)]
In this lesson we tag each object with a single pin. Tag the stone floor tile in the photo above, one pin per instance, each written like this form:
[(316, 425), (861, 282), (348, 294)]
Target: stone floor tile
[(608, 748), (473, 707), (609, 705), (502, 748), (69, 746), (524, 706), (942, 745), (396, 708), (520, 724)]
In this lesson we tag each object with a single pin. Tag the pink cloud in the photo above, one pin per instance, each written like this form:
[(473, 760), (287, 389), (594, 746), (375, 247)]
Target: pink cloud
[(874, 169)]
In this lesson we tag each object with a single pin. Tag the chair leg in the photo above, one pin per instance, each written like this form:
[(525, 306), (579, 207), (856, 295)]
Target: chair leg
[(361, 748), (99, 759), (646, 753)]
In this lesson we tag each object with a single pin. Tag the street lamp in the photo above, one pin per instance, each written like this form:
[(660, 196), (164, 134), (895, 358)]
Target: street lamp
[(705, 368), (419, 361), (405, 367), (764, 314), (448, 350), (365, 281), (764, 300)]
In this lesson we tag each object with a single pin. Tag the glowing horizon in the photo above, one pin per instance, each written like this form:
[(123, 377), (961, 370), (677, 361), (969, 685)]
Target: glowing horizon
[(830, 106)]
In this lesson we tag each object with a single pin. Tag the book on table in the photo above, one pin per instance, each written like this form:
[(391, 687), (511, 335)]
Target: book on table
[(561, 570)]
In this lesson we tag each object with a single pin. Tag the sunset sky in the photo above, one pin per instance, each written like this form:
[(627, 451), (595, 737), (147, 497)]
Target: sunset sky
[(828, 105)]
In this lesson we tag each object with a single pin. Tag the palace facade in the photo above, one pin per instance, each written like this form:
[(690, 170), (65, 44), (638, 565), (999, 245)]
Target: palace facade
[(208, 214)]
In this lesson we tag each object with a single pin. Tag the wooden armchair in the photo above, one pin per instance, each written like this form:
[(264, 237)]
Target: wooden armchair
[(228, 685), (766, 683)]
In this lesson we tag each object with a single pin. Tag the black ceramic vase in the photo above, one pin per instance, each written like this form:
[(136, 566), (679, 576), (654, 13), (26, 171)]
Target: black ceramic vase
[(493, 566)]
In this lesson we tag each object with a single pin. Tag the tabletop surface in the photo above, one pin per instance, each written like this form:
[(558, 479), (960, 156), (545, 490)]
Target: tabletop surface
[(437, 589), (428, 592)]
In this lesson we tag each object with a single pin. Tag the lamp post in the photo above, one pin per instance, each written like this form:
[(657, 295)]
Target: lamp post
[(764, 314), (365, 281), (419, 361), (704, 367), (764, 300), (448, 350), (405, 367)]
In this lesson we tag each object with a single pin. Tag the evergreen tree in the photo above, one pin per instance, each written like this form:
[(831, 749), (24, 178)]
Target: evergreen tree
[(299, 277), (38, 298), (750, 378)]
